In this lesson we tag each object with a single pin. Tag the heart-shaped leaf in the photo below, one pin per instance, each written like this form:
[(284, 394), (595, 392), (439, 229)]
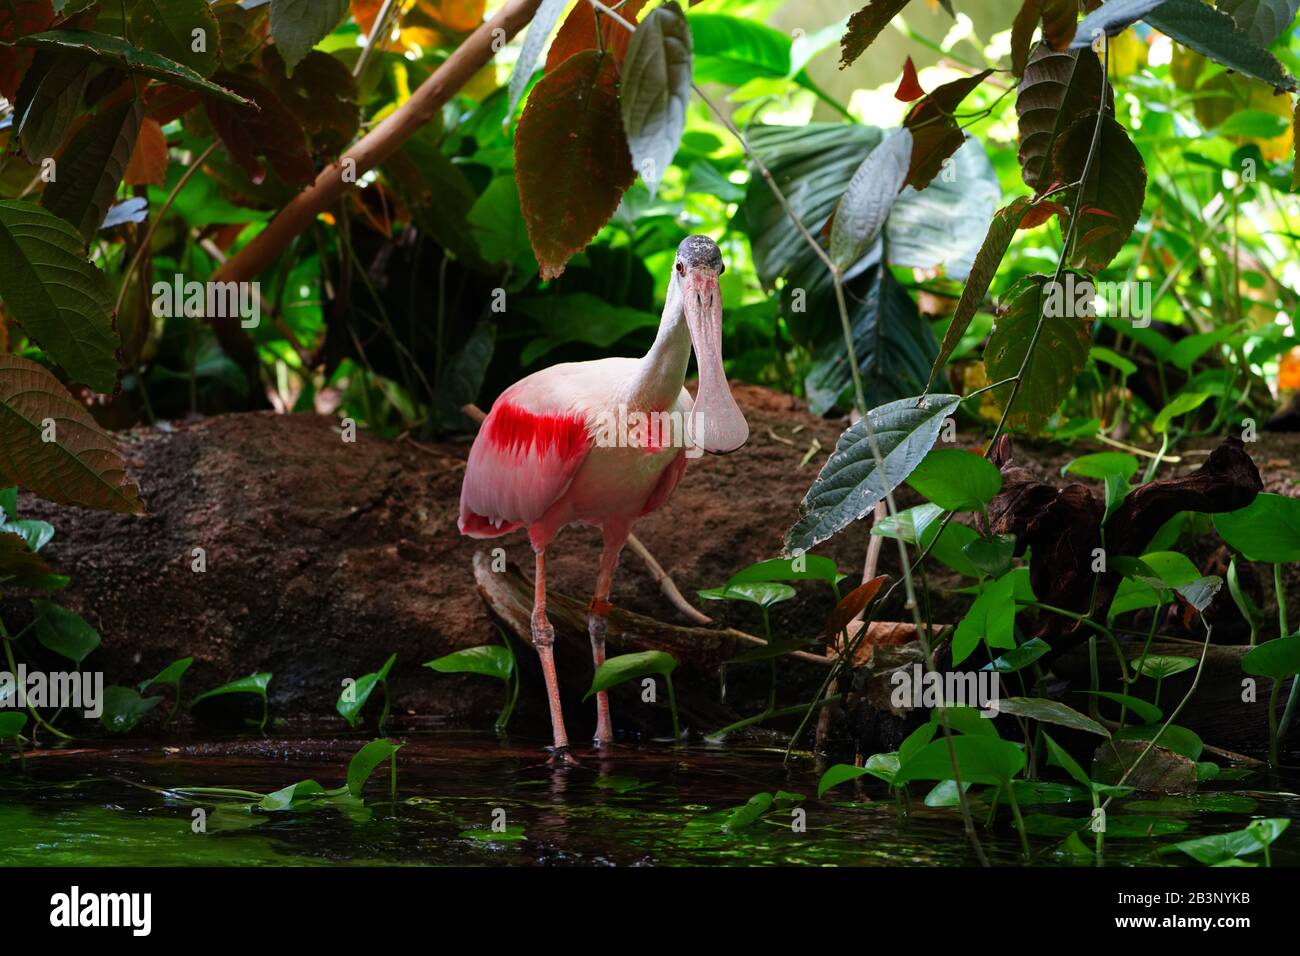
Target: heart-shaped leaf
[(1110, 200), (956, 479), (490, 660), (1268, 529), (627, 667)]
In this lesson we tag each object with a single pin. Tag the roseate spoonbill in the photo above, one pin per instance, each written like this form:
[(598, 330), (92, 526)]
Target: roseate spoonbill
[(588, 442)]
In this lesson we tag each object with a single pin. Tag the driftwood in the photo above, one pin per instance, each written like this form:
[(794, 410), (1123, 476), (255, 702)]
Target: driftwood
[(1063, 527)]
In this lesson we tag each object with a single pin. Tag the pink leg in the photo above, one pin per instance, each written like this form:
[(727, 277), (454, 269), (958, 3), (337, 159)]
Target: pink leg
[(597, 623), (544, 641)]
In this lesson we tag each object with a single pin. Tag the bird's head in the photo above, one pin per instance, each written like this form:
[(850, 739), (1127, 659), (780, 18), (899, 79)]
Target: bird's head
[(717, 423)]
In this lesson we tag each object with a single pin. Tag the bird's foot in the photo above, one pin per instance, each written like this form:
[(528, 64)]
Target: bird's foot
[(560, 756)]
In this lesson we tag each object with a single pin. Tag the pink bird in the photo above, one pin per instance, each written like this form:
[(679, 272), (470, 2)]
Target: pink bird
[(603, 443)]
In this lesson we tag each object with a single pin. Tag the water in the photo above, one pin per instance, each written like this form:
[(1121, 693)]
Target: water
[(639, 805)]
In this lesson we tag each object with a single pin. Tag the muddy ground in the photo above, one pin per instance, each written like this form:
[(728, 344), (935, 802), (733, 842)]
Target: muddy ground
[(323, 557)]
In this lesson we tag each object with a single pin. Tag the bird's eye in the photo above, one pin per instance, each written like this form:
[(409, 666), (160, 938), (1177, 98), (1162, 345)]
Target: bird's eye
[(681, 269), (722, 268)]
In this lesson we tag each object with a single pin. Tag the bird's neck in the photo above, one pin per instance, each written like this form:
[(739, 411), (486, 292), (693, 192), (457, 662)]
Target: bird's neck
[(662, 370)]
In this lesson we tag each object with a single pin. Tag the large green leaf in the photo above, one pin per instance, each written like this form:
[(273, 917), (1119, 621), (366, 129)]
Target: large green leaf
[(124, 708), (1050, 712), (353, 698), (64, 632), (991, 618), (893, 344), (1218, 849), (732, 50), (255, 684), (56, 295), (852, 481), (1056, 90), (655, 91), (571, 158), (808, 567), (167, 27), (566, 317), (865, 26), (956, 479), (491, 660), (1261, 20), (1060, 354), (937, 227), (1111, 199), (1216, 36), (81, 466), (861, 213), (48, 99), (298, 25), (365, 761), (118, 53), (1268, 529), (627, 667), (93, 165), (981, 759), (1278, 658)]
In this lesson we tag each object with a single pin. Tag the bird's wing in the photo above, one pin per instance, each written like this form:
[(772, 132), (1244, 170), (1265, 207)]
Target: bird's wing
[(524, 457)]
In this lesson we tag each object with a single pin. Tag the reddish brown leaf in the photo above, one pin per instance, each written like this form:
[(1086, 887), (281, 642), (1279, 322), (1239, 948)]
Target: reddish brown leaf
[(578, 33), (270, 131), (935, 133), (909, 87), (1040, 213), (322, 94), (571, 158), (165, 103), (864, 26), (1110, 201), (19, 18), (1057, 89), (148, 165), (852, 605)]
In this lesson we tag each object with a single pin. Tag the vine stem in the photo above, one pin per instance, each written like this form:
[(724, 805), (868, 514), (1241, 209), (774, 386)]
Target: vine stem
[(153, 224)]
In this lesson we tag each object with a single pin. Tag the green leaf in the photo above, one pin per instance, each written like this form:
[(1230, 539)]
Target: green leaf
[(1021, 657), (732, 51), (59, 298), (298, 25), (1278, 658), (1201, 592), (1214, 35), (1144, 711), (1172, 570), (992, 556), (577, 317), (1117, 489), (1059, 757), (627, 667), (350, 709), (64, 632), (490, 660), (1110, 199), (908, 525), (1219, 848), (169, 676), (124, 709), (861, 213), (1178, 739), (656, 89), (93, 166), (81, 466), (1181, 405), (1103, 464), (1057, 88), (806, 567), (1195, 803), (984, 760), (167, 27), (851, 482), (748, 813), (295, 796), (37, 534), (1268, 529), (991, 619), (1061, 352), (1263, 21), (253, 684), (116, 52), (1111, 18), (764, 594), (956, 479), (18, 561), (49, 98), (1051, 712), (893, 345), (12, 724), (1001, 231), (838, 774), (365, 761), (865, 25)]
